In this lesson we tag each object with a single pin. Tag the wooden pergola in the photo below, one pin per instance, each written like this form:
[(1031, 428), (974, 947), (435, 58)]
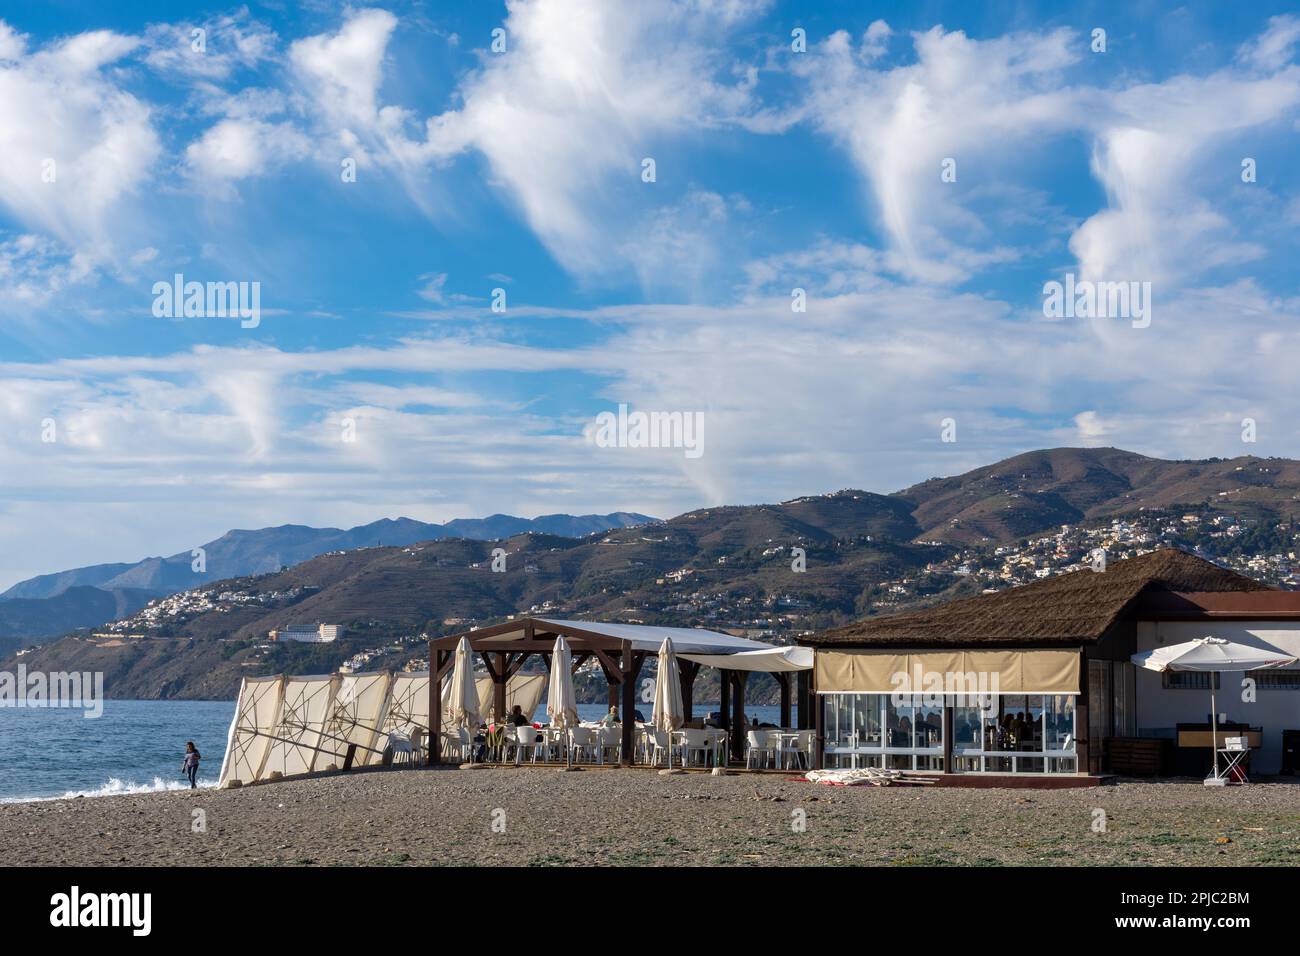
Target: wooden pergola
[(505, 648)]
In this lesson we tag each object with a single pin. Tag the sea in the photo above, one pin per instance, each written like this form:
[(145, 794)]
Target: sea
[(136, 746)]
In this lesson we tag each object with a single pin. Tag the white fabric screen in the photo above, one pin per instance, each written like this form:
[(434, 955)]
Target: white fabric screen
[(298, 725)]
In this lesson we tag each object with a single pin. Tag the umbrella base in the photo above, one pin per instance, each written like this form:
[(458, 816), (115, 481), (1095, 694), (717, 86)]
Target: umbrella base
[(673, 772), (1215, 781)]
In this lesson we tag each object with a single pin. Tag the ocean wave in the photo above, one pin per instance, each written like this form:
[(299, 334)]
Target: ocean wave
[(116, 787)]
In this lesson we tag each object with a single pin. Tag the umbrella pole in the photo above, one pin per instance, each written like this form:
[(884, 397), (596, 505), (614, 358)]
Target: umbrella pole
[(1214, 724)]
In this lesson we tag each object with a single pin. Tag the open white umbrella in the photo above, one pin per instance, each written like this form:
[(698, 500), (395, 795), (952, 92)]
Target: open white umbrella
[(667, 714), (1213, 655), (462, 709), (561, 699)]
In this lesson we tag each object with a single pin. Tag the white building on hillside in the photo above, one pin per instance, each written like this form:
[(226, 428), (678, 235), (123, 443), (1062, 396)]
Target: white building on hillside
[(308, 633)]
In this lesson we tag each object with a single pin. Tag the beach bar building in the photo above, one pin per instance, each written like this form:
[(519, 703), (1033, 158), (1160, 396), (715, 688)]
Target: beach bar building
[(1039, 679)]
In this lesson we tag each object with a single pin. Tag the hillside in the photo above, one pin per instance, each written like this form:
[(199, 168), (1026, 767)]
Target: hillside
[(200, 643), (726, 568), (53, 604), (1039, 490), (24, 621)]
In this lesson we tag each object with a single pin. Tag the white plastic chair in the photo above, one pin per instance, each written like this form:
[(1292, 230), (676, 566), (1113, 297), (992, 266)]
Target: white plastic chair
[(526, 739), (660, 740), (787, 754), (693, 742), (609, 738), (416, 735), (758, 745), (459, 744), (400, 745), (804, 747), (582, 740), (645, 743)]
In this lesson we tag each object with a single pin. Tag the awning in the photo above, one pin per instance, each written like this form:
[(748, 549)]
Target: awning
[(773, 660), (1017, 672)]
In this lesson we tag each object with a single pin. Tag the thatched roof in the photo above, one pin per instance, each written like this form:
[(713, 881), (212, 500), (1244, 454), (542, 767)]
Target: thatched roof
[(1073, 608)]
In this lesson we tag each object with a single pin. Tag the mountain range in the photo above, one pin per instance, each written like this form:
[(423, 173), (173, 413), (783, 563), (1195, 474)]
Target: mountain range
[(726, 566), (53, 604)]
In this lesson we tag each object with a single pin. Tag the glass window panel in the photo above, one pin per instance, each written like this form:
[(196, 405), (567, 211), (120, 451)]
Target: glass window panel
[(928, 727), (966, 722), (898, 723), (1060, 722), (870, 725)]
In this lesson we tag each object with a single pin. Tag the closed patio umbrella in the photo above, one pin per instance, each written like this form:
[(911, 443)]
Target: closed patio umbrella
[(667, 714), (462, 709), (561, 699), (1213, 655)]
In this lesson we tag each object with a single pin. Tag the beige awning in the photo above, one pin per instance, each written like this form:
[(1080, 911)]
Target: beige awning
[(1018, 672)]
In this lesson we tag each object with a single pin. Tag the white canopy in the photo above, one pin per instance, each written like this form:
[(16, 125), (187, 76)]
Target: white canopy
[(773, 660), (1212, 654), (648, 637)]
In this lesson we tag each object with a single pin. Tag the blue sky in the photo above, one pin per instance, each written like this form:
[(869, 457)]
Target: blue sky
[(522, 171)]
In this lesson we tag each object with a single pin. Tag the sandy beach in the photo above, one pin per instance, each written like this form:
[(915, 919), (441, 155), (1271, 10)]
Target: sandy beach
[(540, 817)]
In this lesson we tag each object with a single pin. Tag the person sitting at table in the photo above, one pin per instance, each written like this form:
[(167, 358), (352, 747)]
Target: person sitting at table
[(517, 717), (611, 718)]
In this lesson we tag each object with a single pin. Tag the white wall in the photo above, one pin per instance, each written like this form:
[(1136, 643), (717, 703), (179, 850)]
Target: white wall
[(1274, 710)]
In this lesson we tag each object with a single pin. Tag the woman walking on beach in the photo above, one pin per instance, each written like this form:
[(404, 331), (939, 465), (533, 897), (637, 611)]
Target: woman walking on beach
[(191, 765)]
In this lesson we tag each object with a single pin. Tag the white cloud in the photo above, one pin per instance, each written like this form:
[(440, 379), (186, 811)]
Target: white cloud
[(343, 71), (236, 149), (586, 92), (1273, 48), (59, 106)]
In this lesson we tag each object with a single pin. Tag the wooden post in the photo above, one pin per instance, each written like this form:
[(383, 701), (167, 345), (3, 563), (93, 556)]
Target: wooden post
[(948, 765), (738, 713), (724, 697), (819, 737), (784, 681), (499, 686), (628, 673), (435, 706), (1082, 745), (687, 671), (804, 698)]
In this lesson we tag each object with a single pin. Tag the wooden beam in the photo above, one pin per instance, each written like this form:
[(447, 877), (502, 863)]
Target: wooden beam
[(1082, 745), (499, 687), (819, 738), (517, 663), (949, 765), (628, 683), (738, 726), (440, 662), (611, 667), (784, 680), (724, 696), (687, 672)]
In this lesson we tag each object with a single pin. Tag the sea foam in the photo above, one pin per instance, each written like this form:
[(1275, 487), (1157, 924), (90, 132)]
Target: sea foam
[(116, 787)]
